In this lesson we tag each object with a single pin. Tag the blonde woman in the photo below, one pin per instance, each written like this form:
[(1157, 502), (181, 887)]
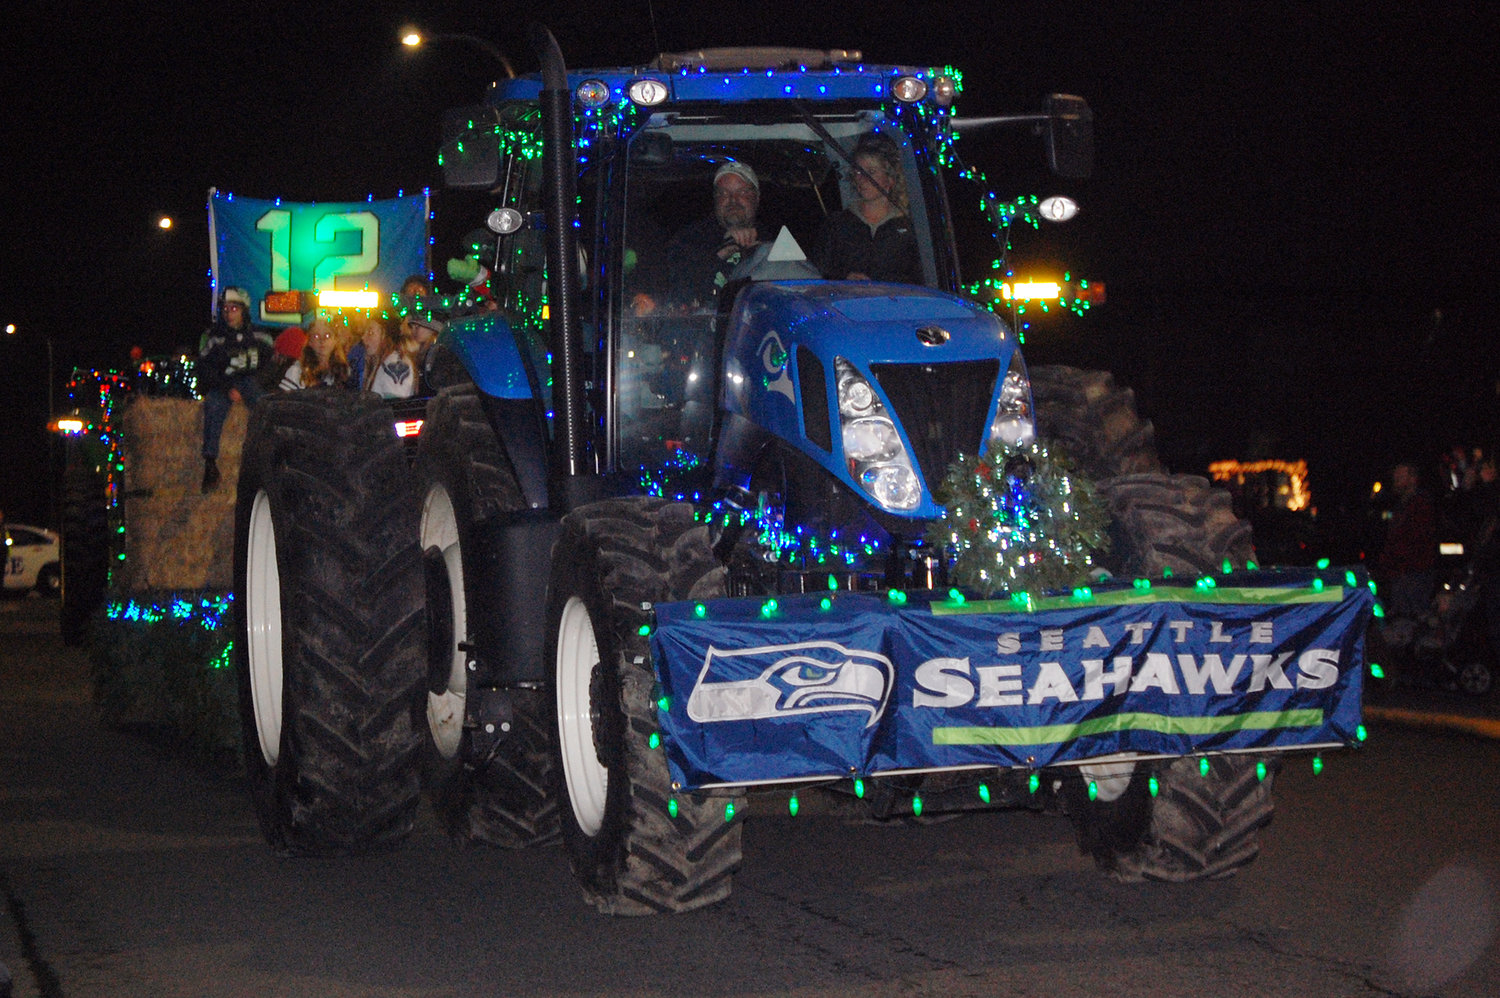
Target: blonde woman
[(872, 238)]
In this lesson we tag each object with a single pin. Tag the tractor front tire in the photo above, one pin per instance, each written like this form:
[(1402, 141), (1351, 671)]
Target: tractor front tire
[(1198, 826), (634, 850), (85, 552), (330, 629), (506, 798)]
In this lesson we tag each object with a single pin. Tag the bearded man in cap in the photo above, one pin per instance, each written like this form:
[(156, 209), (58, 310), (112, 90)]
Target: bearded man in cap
[(702, 255), (230, 356)]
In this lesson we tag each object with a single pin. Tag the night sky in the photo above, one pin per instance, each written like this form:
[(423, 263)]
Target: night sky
[(1291, 206)]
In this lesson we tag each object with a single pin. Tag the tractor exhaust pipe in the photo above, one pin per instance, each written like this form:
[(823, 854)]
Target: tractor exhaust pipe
[(559, 167)]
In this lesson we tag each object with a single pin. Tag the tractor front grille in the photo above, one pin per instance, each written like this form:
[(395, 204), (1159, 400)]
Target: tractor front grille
[(944, 409)]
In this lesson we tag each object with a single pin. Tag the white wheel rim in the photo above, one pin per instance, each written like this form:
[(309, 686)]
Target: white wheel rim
[(262, 597), (577, 654), (445, 710)]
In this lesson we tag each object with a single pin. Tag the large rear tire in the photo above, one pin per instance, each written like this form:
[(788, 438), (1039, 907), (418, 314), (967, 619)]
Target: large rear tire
[(329, 640), (505, 799), (1198, 826), (84, 554), (1095, 421), (1176, 522), (630, 852)]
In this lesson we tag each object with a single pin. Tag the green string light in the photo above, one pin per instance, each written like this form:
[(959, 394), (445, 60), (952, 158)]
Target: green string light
[(1093, 790), (1166, 571), (916, 806), (1033, 783), (672, 806), (1317, 585), (793, 806), (654, 741), (825, 603), (1206, 583), (729, 812), (1154, 785), (1360, 733), (833, 584), (1203, 766), (984, 793), (1376, 672), (1350, 580), (1228, 566), (1141, 583), (644, 630), (700, 611), (664, 703), (1323, 563), (768, 608), (896, 596), (859, 789), (1317, 765), (1260, 770), (954, 596)]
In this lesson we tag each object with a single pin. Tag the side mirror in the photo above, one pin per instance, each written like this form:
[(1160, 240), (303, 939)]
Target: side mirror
[(1070, 136), (469, 154)]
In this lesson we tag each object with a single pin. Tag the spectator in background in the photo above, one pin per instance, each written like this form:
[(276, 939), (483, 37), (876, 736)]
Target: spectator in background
[(1485, 541), (322, 364), (1407, 563), (415, 286), (230, 356)]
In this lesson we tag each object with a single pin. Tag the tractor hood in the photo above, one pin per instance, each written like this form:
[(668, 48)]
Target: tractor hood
[(799, 353)]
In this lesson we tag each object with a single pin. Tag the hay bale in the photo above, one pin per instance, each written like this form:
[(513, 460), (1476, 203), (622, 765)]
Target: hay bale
[(175, 536), (177, 540), (163, 443)]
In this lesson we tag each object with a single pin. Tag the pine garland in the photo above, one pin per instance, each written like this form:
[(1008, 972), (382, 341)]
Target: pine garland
[(1019, 519)]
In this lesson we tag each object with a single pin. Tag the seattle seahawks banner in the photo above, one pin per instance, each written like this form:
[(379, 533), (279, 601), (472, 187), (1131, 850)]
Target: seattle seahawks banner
[(853, 684), (284, 246)]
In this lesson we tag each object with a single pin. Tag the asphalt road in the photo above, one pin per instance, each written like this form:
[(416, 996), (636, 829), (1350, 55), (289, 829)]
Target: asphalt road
[(128, 870)]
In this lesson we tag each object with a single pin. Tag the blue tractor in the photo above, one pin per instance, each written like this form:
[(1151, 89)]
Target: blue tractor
[(661, 551)]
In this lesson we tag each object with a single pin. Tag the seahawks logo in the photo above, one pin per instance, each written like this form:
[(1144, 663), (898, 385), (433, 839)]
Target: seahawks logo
[(812, 677), (773, 358)]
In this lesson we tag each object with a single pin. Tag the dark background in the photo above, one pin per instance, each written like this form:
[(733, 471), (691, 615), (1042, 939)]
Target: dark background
[(1291, 207)]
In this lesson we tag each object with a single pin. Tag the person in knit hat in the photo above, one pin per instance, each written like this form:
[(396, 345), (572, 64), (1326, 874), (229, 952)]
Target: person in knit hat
[(230, 356)]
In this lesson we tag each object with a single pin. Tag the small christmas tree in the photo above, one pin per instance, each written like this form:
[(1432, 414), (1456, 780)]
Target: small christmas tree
[(1019, 519)]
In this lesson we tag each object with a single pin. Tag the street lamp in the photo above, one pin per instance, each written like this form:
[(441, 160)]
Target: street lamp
[(413, 37), (10, 330)]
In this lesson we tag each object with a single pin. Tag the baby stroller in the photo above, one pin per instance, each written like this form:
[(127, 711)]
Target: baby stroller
[(1446, 647)]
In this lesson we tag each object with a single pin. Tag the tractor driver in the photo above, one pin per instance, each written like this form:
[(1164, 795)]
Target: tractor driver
[(701, 256)]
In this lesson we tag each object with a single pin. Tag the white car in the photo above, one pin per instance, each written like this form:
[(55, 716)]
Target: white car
[(31, 559)]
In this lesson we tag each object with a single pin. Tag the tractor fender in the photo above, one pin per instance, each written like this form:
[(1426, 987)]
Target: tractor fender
[(491, 351)]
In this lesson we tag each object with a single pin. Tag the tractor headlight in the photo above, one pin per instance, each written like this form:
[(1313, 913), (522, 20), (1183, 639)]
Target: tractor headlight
[(894, 486), (1014, 422), (871, 440), (876, 456), (856, 396)]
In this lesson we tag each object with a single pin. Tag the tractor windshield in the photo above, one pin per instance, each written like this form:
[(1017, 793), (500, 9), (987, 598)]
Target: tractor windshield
[(711, 202)]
